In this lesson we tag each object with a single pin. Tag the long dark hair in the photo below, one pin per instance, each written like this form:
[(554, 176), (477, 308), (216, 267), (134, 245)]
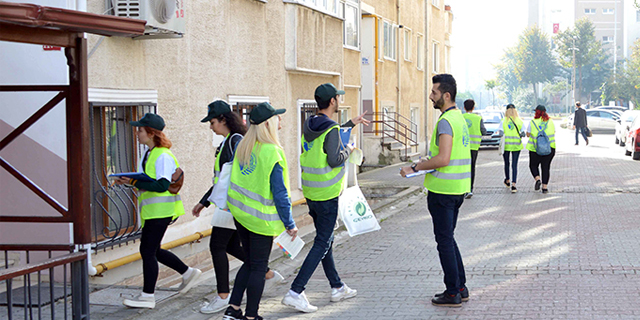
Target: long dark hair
[(233, 122)]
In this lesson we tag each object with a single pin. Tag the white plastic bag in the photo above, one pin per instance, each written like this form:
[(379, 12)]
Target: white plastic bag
[(501, 146), (219, 194), (355, 212), (223, 219)]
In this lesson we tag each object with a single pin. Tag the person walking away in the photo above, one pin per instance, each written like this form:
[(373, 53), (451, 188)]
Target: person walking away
[(512, 128), (451, 158), (580, 122), (541, 122), (224, 238), (476, 131), (323, 167), (158, 208), (259, 201)]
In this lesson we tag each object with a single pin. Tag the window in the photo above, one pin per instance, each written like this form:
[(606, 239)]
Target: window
[(589, 11), (114, 149), (389, 41), (607, 11), (638, 16), (607, 39), (447, 53), (407, 44), (380, 40), (420, 53), (606, 115), (436, 55), (326, 6), (435, 3), (351, 20), (344, 116)]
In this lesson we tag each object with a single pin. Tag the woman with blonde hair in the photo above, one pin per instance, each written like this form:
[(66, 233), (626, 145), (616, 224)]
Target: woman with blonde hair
[(512, 128), (259, 200), (158, 208)]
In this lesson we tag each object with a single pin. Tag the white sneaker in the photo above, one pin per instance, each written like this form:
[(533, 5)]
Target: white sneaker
[(190, 281), (343, 293), (217, 304), (300, 303), (140, 302), (468, 195), (271, 283)]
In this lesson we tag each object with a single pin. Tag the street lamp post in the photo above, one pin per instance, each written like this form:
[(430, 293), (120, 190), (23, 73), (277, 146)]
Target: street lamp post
[(573, 82)]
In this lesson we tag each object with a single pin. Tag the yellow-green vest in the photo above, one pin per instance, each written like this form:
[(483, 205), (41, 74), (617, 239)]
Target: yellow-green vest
[(250, 199), (550, 131), (455, 178), (320, 182), (216, 165), (473, 122), (156, 205), (512, 140)]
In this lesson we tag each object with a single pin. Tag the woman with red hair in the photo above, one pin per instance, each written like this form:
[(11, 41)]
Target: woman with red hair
[(537, 156)]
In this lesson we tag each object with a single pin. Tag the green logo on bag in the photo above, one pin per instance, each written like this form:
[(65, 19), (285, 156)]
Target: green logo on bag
[(361, 209)]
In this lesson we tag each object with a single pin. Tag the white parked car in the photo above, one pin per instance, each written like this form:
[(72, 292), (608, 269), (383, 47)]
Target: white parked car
[(624, 124), (598, 120)]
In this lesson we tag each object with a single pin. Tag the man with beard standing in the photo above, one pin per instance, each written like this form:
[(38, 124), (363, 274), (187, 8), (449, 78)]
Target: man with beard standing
[(450, 157)]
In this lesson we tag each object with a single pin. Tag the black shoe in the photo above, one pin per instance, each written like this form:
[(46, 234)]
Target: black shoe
[(464, 294), (256, 318), (507, 183), (576, 144), (233, 314), (587, 141), (448, 300), (513, 189), (538, 184), (545, 190)]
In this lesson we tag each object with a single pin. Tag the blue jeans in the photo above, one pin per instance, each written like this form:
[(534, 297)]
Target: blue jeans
[(324, 214), (584, 134), (444, 213), (514, 164)]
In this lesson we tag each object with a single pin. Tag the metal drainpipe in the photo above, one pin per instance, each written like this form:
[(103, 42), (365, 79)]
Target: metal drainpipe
[(398, 55)]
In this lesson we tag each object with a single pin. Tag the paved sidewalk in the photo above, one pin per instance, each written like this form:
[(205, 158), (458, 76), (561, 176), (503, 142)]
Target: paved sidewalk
[(571, 254)]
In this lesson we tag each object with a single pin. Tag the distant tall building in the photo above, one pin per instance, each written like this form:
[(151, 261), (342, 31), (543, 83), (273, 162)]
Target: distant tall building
[(551, 16), (631, 26), (608, 18)]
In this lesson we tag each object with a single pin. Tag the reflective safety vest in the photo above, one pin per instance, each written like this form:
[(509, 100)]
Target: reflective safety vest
[(550, 131), (156, 205), (216, 165), (320, 182), (250, 199), (455, 178), (512, 140), (473, 122)]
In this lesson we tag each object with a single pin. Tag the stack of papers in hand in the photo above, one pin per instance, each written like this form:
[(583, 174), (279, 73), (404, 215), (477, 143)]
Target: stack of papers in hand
[(140, 176), (288, 247), (419, 173)]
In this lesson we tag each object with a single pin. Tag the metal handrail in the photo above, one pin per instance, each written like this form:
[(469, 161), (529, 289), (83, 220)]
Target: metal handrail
[(402, 133)]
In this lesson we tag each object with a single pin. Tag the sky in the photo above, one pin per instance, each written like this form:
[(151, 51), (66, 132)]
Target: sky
[(482, 30)]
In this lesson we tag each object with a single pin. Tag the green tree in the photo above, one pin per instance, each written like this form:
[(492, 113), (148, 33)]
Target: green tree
[(591, 61), (507, 79), (559, 88), (627, 84), (490, 85), (534, 61)]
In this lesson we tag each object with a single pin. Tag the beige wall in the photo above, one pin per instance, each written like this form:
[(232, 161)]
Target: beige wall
[(229, 48)]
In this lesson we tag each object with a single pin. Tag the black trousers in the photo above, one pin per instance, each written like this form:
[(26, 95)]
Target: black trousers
[(224, 241), (544, 162), (474, 157), (152, 234), (250, 277)]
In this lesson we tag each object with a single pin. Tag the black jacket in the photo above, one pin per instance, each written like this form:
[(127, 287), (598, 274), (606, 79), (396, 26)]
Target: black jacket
[(315, 126), (580, 118)]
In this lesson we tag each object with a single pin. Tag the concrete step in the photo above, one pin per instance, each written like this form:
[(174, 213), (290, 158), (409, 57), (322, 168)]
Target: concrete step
[(410, 157), (395, 146)]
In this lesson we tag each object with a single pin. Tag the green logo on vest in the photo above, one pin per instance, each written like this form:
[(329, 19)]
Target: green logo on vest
[(465, 136), (307, 145), (361, 209), (469, 123), (248, 169)]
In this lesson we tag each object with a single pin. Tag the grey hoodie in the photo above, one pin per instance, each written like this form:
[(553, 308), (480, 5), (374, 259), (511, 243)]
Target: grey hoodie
[(315, 126)]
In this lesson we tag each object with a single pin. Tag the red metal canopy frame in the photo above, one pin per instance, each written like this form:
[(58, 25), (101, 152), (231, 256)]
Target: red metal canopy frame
[(29, 23)]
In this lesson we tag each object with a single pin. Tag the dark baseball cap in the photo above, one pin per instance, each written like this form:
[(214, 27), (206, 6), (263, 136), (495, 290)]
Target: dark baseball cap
[(511, 106), (262, 112), (151, 120), (541, 108), (216, 108), (327, 91)]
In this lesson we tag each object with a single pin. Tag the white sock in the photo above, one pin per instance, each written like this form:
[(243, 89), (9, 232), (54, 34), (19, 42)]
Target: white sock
[(187, 274), (146, 295), (294, 294)]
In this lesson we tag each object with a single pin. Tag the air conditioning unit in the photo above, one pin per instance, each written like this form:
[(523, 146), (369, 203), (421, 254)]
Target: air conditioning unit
[(165, 18)]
